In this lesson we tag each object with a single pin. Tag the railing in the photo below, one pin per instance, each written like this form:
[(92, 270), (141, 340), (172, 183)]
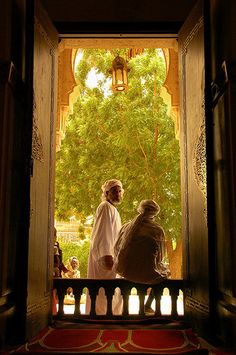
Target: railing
[(93, 286)]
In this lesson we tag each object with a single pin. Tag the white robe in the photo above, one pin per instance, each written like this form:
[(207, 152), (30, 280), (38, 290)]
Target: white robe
[(107, 224)]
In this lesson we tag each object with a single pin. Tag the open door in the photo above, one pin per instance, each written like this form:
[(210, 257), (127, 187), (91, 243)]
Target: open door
[(194, 121), (27, 169), (40, 261)]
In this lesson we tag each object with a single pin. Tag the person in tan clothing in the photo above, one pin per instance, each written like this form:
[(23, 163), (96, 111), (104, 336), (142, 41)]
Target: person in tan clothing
[(140, 250)]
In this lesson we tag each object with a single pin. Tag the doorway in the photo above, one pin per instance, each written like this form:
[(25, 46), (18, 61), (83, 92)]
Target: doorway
[(69, 91), (150, 123), (191, 122)]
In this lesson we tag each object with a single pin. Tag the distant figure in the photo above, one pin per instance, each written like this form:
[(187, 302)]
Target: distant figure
[(73, 268), (107, 224), (140, 249), (59, 266), (73, 273)]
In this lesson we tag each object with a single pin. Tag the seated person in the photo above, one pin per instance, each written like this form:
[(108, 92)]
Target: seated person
[(72, 266), (139, 251), (72, 273)]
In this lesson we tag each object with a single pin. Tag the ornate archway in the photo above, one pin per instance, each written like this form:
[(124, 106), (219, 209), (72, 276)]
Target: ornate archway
[(67, 86)]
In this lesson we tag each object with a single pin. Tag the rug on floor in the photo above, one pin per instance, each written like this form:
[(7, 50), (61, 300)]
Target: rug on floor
[(156, 341)]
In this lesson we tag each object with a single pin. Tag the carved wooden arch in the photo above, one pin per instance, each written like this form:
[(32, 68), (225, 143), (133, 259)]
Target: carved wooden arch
[(67, 86)]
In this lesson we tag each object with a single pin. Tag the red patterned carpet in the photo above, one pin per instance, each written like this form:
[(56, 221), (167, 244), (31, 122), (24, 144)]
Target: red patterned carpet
[(144, 341)]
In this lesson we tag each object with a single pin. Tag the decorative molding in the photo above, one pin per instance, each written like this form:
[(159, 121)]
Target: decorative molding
[(37, 145), (192, 34), (172, 86), (41, 303), (109, 43), (196, 304), (51, 180), (38, 26), (199, 157), (67, 93)]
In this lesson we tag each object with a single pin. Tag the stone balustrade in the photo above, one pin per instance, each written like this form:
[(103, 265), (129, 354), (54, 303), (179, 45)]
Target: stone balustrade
[(79, 286)]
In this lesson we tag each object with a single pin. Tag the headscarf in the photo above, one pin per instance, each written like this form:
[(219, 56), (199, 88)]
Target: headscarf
[(108, 185), (148, 208), (74, 258)]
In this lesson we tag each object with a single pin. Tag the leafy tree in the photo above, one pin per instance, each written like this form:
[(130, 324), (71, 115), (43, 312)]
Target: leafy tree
[(125, 135)]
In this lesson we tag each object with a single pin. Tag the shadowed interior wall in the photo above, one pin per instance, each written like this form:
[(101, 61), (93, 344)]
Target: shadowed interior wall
[(193, 164), (223, 61), (42, 174)]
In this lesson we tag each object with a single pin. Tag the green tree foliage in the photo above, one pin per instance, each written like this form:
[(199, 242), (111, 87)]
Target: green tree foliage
[(125, 135)]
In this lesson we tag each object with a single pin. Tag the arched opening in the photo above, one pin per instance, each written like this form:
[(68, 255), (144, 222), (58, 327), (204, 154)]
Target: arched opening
[(68, 91), (69, 45)]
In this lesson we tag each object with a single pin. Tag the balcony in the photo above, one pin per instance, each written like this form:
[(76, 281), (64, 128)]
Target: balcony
[(168, 303)]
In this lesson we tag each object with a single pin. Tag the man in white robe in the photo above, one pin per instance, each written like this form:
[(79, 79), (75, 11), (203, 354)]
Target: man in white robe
[(107, 224)]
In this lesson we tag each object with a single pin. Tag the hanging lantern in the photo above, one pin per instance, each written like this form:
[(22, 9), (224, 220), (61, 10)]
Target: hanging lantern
[(119, 75)]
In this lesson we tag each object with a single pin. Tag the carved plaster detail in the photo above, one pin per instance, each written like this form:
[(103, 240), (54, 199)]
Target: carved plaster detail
[(37, 146), (191, 35), (193, 303), (199, 156), (108, 43), (44, 34)]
